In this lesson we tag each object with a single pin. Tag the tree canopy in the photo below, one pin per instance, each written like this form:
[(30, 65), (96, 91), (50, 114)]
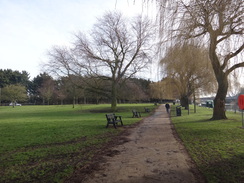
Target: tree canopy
[(8, 76), (184, 65), (14, 93), (115, 50)]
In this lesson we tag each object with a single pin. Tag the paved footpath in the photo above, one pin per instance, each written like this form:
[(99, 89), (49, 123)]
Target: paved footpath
[(152, 155)]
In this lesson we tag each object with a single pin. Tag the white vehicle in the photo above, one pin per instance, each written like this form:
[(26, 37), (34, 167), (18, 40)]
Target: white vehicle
[(16, 104)]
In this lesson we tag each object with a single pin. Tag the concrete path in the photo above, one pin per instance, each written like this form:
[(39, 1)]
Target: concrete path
[(152, 155)]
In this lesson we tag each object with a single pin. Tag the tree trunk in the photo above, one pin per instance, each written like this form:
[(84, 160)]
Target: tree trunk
[(219, 101), (114, 97), (73, 102), (194, 97), (184, 102), (221, 77)]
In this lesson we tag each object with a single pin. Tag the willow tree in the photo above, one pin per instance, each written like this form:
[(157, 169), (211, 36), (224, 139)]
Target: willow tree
[(163, 90), (219, 25), (184, 65)]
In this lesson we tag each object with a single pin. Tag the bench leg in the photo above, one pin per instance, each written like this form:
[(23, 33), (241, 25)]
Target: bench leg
[(114, 125), (136, 115)]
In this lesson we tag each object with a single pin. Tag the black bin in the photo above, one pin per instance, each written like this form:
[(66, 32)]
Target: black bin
[(178, 111)]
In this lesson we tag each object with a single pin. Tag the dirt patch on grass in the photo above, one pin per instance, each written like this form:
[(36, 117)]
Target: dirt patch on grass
[(107, 150)]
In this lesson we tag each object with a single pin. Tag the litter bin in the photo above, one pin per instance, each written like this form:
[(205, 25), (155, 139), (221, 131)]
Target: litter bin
[(178, 111)]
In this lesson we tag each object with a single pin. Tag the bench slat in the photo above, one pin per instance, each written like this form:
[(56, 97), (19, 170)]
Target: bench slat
[(113, 119), (136, 114)]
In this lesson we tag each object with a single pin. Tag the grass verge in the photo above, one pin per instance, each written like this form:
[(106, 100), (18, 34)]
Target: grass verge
[(47, 143), (217, 147)]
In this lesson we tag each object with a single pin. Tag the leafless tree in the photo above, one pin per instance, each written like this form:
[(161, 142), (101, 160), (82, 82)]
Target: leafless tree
[(115, 50), (219, 25), (47, 90)]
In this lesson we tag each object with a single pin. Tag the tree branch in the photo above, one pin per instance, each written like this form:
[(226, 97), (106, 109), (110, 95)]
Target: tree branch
[(234, 67), (231, 55)]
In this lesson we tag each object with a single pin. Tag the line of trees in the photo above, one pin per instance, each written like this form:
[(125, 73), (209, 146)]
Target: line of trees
[(44, 89), (202, 45)]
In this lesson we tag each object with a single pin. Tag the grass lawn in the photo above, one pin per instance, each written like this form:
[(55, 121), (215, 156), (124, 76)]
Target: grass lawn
[(217, 147), (46, 143)]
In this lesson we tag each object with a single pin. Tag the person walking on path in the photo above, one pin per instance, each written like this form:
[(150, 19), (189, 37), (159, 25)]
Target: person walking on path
[(167, 106), (151, 154)]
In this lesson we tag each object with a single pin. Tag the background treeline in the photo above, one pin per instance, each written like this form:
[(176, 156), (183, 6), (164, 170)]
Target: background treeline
[(45, 90)]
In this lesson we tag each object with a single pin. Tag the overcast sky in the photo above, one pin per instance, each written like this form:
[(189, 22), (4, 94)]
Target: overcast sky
[(28, 28)]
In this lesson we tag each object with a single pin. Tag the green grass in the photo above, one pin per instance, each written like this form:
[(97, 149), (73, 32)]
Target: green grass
[(217, 147), (46, 143)]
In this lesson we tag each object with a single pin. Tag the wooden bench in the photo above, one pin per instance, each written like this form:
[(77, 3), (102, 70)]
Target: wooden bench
[(136, 114), (146, 109), (113, 119)]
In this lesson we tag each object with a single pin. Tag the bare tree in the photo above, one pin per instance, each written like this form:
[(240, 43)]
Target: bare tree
[(115, 50), (47, 90), (222, 21), (219, 25)]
